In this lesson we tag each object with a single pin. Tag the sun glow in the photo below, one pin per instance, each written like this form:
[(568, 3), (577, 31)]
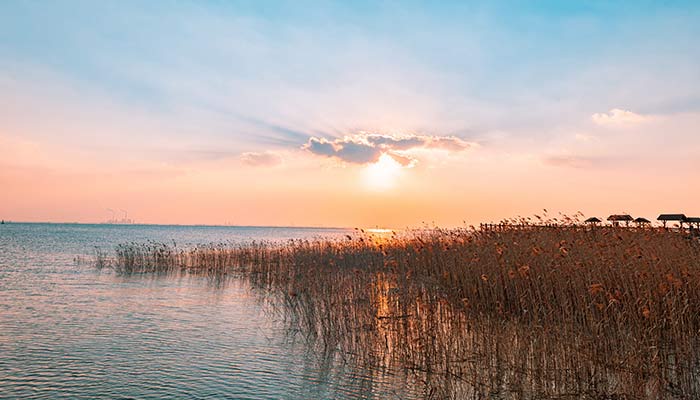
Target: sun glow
[(383, 174)]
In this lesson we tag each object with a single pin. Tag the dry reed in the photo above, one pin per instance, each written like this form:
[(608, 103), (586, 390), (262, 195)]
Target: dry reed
[(519, 311)]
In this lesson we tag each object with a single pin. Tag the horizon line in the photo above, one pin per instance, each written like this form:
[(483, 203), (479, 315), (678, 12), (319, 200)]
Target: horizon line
[(173, 224)]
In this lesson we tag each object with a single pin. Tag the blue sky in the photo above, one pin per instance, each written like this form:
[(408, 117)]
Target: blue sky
[(504, 57), (179, 82)]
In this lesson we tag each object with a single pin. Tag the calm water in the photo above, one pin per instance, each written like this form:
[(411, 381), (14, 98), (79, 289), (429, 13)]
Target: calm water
[(69, 331)]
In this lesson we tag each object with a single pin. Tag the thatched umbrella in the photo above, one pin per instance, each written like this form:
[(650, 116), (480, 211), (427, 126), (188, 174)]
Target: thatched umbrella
[(672, 217), (641, 221), (593, 221), (693, 220), (617, 218)]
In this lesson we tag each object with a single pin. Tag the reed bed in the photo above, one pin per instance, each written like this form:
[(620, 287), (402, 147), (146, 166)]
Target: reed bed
[(520, 311)]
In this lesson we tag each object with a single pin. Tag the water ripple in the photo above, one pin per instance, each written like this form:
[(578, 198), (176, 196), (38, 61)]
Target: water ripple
[(70, 332)]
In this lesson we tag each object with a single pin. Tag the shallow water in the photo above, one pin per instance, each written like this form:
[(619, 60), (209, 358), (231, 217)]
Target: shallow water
[(69, 331)]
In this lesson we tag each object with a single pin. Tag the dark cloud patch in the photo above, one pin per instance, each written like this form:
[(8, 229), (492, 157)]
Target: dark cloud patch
[(367, 148), (358, 152), (320, 147)]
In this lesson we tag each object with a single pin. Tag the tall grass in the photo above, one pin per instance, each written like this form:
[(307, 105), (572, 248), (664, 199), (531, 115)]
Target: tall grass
[(514, 312)]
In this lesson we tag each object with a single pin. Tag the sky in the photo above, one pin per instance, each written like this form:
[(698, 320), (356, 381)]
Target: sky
[(354, 114)]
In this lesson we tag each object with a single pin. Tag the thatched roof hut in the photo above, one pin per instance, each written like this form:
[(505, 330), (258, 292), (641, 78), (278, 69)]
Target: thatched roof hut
[(672, 217), (641, 221), (617, 218), (620, 217), (593, 220)]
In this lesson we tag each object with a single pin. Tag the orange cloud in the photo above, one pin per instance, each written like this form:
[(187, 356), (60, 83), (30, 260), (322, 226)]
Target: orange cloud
[(262, 159)]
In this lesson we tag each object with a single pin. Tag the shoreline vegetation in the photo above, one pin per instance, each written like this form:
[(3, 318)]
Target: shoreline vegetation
[(557, 310)]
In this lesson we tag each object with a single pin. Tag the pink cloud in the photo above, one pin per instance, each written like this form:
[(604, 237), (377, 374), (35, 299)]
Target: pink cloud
[(262, 159), (617, 117)]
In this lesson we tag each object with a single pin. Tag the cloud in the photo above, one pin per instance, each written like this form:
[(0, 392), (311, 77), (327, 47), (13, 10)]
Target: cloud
[(617, 117), (366, 148), (585, 162), (449, 143), (320, 147), (583, 137), (396, 143), (358, 152), (403, 160), (263, 159), (568, 161)]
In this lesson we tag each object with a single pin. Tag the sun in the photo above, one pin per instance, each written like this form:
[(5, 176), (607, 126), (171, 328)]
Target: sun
[(383, 174)]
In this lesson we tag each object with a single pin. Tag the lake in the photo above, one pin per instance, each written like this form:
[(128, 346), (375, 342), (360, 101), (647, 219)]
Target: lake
[(70, 331)]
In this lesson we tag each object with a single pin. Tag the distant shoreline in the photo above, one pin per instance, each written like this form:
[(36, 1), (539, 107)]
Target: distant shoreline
[(181, 225)]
